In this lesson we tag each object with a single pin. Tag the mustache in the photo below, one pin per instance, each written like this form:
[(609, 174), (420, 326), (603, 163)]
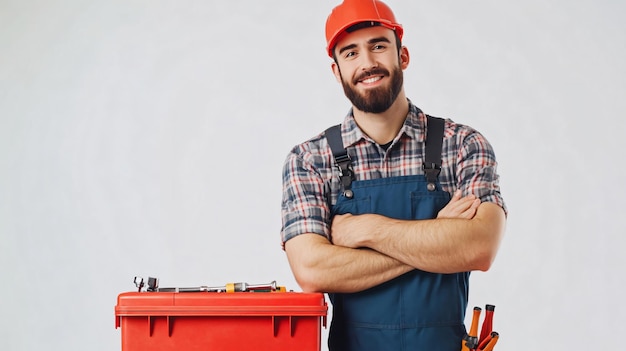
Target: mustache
[(374, 71)]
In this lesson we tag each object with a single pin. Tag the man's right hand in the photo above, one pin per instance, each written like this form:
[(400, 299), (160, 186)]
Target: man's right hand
[(460, 207)]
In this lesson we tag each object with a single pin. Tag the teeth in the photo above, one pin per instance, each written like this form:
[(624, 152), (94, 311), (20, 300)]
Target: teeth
[(371, 80)]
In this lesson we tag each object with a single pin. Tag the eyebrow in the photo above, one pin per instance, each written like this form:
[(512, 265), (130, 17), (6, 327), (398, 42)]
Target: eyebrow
[(371, 41)]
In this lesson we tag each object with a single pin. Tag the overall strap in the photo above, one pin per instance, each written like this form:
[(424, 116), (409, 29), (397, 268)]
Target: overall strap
[(432, 159), (342, 160), (434, 141)]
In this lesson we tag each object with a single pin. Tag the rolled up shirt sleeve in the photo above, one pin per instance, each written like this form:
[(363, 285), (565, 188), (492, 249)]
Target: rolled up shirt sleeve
[(477, 168), (305, 207)]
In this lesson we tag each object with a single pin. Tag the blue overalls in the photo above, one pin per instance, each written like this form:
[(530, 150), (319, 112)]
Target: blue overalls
[(418, 311)]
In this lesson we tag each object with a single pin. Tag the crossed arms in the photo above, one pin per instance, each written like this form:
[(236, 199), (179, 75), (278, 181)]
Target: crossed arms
[(369, 249)]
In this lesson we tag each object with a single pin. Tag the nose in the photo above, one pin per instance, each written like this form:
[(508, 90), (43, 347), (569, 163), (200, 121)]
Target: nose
[(368, 61)]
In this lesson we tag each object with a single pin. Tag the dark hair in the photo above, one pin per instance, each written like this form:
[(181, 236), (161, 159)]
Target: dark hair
[(362, 25)]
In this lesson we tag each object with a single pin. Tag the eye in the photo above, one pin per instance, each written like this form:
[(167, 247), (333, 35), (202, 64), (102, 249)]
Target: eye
[(379, 47), (350, 54)]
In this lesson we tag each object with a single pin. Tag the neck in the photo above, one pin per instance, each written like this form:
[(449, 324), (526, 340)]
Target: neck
[(383, 127)]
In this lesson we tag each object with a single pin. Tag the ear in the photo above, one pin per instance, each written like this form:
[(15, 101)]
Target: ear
[(335, 67), (404, 57)]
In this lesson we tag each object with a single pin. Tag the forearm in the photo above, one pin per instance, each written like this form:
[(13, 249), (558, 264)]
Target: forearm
[(321, 266), (439, 245)]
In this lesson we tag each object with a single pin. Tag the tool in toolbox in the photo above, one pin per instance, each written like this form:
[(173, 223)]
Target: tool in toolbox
[(152, 285), (488, 338)]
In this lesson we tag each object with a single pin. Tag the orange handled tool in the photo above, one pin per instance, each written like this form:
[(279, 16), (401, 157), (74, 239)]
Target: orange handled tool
[(470, 341), (492, 341), (483, 343)]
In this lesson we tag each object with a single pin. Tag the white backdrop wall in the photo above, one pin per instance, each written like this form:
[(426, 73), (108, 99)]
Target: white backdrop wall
[(147, 138)]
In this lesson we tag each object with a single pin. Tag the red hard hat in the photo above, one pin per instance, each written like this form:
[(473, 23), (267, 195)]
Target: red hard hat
[(351, 12)]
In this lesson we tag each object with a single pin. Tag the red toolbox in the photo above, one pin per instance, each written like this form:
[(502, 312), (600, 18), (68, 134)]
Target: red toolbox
[(168, 321)]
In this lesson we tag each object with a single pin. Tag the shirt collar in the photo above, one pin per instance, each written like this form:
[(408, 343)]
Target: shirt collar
[(413, 127)]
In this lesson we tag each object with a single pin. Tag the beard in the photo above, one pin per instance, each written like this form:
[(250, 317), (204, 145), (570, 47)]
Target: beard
[(376, 100)]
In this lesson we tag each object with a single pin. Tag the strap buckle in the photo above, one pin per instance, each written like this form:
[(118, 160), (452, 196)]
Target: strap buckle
[(431, 171), (346, 174)]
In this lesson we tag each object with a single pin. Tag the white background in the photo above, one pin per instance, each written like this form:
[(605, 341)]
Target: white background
[(147, 138)]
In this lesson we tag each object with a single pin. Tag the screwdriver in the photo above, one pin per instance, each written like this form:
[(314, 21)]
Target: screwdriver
[(482, 344), (487, 327), (471, 340), (492, 342)]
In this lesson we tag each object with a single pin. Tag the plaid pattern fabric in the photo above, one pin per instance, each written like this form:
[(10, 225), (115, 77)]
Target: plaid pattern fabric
[(311, 180)]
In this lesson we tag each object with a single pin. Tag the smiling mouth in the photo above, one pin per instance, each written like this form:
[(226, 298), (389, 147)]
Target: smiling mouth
[(372, 76), (371, 80)]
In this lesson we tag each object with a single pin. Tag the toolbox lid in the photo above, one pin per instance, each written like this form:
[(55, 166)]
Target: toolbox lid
[(220, 304)]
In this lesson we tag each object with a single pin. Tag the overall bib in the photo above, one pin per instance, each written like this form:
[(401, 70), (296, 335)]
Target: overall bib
[(418, 311)]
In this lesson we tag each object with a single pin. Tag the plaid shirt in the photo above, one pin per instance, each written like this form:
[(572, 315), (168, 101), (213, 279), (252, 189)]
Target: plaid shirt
[(311, 182)]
